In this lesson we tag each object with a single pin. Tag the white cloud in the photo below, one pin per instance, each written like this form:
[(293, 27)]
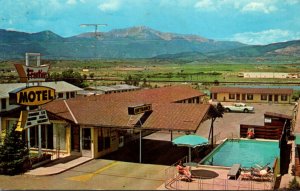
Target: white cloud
[(109, 5), (259, 7), (263, 6), (204, 4), (266, 37), (292, 2), (71, 2)]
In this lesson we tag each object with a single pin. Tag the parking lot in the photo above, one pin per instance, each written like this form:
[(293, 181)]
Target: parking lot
[(229, 125)]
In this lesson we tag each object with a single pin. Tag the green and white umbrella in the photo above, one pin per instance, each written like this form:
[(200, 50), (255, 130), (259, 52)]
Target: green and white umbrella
[(190, 141)]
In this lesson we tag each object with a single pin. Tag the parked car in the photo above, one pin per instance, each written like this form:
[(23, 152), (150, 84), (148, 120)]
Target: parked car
[(239, 107)]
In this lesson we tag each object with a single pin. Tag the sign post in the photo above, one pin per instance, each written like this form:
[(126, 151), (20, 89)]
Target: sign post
[(32, 96)]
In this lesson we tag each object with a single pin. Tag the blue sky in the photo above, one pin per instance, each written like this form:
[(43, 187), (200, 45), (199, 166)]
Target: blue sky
[(247, 21)]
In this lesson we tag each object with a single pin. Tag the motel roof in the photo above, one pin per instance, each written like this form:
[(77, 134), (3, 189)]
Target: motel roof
[(112, 111), (118, 87), (251, 90), (59, 86), (168, 94)]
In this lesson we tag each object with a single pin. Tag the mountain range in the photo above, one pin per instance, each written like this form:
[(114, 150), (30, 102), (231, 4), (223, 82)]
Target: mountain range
[(134, 42)]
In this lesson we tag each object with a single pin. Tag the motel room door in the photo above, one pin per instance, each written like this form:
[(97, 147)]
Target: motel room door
[(276, 98), (238, 97), (243, 97), (270, 98), (86, 142)]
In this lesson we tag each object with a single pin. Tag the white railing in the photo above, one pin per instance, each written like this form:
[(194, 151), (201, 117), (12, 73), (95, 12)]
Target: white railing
[(174, 182), (217, 184)]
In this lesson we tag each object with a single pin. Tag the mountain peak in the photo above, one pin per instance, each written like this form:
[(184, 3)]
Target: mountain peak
[(147, 33), (46, 35)]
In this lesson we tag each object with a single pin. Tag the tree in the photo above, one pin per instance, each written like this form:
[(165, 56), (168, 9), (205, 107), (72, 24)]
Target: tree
[(13, 153), (218, 113), (55, 76), (72, 77)]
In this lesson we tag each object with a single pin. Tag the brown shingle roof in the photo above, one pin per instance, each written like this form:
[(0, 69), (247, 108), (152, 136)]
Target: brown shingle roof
[(176, 116), (251, 90), (156, 95), (112, 111)]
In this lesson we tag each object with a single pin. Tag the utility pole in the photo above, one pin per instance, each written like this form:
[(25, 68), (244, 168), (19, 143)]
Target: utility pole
[(97, 35), (94, 25)]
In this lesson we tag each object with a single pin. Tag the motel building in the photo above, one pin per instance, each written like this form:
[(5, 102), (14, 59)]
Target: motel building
[(93, 126), (53, 135), (252, 95)]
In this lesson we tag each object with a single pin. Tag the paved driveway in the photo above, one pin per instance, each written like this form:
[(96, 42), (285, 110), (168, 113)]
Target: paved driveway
[(99, 174)]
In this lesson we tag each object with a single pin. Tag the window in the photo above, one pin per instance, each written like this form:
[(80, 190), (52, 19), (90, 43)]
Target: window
[(231, 96), (283, 97), (60, 95), (103, 139), (263, 97), (3, 103), (46, 137), (249, 96), (72, 94)]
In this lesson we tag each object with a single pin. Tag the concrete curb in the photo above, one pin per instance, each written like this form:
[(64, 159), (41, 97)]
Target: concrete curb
[(56, 170)]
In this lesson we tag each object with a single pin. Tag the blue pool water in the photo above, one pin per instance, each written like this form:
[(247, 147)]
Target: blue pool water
[(244, 152)]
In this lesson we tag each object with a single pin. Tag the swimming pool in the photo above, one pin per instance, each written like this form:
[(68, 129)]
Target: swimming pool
[(244, 152)]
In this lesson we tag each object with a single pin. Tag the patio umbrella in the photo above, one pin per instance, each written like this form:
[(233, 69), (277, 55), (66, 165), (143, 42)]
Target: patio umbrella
[(190, 141)]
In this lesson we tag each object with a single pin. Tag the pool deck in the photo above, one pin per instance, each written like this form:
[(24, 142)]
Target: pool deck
[(221, 182)]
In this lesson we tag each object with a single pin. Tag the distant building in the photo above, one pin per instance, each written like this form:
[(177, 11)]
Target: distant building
[(252, 95), (109, 89), (267, 75)]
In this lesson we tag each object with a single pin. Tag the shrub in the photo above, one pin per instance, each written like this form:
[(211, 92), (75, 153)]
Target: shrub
[(13, 154)]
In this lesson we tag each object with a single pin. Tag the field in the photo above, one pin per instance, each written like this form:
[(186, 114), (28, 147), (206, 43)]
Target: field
[(161, 72)]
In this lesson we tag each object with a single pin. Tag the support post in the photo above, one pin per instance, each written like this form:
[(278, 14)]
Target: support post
[(28, 138), (140, 146), (190, 154), (40, 140), (171, 135)]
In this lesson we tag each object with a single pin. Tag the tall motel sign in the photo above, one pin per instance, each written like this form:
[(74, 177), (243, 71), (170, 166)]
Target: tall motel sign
[(34, 94)]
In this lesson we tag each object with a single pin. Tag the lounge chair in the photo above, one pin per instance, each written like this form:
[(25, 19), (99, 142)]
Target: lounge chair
[(246, 174), (234, 171), (262, 175)]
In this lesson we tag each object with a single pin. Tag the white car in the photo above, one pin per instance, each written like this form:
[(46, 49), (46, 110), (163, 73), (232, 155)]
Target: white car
[(239, 107)]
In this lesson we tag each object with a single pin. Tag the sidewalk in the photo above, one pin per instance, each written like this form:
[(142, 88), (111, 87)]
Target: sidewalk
[(58, 166)]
